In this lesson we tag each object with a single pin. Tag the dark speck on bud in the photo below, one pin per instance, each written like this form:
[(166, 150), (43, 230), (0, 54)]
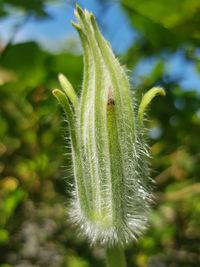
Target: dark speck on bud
[(110, 101)]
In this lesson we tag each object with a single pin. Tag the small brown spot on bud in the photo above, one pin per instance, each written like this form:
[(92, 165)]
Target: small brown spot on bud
[(110, 101)]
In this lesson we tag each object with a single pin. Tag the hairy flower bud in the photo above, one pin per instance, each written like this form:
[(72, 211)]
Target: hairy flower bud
[(112, 194)]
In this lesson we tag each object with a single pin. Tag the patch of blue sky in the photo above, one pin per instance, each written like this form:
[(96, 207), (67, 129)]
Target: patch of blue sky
[(176, 67), (185, 70), (53, 32)]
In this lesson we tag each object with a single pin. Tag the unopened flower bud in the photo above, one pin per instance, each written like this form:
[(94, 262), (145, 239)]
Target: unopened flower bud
[(113, 193)]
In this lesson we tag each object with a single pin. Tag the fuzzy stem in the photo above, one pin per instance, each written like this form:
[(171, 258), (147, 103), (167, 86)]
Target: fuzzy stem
[(115, 257)]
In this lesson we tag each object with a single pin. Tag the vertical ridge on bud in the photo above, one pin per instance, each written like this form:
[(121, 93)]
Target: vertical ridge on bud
[(112, 186), (115, 164), (81, 196), (85, 116), (97, 129)]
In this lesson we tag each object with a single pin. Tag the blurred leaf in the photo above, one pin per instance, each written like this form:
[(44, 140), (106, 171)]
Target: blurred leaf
[(37, 7), (161, 23), (4, 236), (27, 61), (75, 261), (9, 202)]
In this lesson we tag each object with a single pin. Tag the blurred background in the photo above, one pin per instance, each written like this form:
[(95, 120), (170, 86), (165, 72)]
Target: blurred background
[(159, 41)]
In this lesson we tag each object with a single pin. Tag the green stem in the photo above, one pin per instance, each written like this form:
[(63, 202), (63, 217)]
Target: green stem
[(115, 257)]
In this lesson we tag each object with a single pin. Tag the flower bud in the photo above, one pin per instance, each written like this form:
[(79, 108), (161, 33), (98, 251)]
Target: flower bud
[(112, 194)]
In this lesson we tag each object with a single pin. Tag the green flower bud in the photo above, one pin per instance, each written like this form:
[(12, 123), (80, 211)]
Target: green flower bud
[(112, 192)]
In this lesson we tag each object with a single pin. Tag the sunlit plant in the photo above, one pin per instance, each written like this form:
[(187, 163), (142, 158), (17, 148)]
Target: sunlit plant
[(112, 189)]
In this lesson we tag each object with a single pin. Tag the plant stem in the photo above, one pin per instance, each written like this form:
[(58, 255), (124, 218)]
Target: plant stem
[(115, 257)]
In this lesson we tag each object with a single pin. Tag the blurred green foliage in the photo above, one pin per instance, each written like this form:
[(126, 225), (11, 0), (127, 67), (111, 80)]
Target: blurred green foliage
[(165, 25), (34, 230), (36, 7)]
